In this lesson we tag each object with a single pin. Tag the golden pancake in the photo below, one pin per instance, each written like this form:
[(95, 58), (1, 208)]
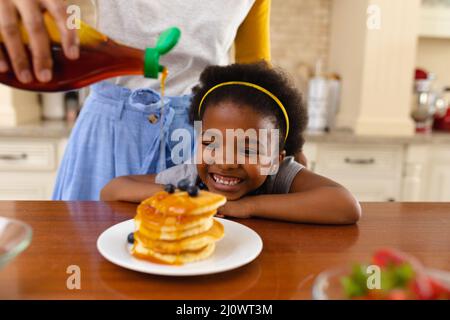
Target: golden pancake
[(175, 228), (192, 243), (175, 235), (180, 203), (156, 221), (141, 252)]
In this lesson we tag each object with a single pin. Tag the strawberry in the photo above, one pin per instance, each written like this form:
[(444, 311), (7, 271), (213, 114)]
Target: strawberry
[(422, 287), (384, 257), (440, 291), (403, 278)]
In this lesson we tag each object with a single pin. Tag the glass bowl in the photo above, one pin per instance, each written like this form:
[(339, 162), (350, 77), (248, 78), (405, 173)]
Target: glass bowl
[(327, 285), (15, 236)]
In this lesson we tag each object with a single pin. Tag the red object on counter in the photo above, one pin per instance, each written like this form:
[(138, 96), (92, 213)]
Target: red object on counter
[(421, 74), (443, 123)]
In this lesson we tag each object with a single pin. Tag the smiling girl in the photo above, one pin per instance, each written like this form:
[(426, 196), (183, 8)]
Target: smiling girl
[(241, 98)]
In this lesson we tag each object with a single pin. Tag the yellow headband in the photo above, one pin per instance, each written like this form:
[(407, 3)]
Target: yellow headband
[(252, 85)]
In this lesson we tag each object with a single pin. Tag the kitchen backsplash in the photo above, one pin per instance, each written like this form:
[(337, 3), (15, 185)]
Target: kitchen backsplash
[(300, 32)]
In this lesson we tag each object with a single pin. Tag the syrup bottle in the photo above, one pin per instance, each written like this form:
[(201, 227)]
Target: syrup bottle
[(100, 58)]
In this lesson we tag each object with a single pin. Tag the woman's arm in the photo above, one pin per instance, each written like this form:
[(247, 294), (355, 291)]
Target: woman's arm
[(312, 199), (130, 188), (252, 42)]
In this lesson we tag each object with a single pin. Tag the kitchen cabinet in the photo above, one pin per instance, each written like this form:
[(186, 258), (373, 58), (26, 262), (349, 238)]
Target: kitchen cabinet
[(371, 173), (440, 183), (434, 21), (428, 175), (416, 169), (28, 167)]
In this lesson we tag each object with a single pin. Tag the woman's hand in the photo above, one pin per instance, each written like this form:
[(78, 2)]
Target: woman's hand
[(241, 208), (29, 12)]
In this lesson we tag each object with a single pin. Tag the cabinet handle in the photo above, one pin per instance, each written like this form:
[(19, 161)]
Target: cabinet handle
[(13, 157), (359, 161)]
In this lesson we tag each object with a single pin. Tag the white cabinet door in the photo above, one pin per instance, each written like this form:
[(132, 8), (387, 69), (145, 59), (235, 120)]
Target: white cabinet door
[(28, 167), (439, 174), (435, 21), (375, 190), (26, 185), (427, 174), (22, 155), (440, 183), (370, 172)]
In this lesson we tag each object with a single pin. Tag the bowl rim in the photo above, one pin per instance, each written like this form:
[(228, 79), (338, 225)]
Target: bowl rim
[(318, 292), (22, 245)]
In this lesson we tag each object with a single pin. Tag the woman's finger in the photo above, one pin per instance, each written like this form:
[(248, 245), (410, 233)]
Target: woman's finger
[(33, 21), (9, 29), (69, 37)]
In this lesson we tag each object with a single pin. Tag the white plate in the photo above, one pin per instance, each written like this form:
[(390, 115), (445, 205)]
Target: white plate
[(239, 246)]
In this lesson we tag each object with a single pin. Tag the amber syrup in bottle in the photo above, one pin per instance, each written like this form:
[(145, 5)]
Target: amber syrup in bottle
[(100, 58)]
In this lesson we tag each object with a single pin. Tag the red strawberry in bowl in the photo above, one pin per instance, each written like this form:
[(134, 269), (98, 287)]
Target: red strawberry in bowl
[(441, 291), (386, 256), (403, 277)]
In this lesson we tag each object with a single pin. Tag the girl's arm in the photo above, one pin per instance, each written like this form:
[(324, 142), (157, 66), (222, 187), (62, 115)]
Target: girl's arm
[(312, 199), (130, 188)]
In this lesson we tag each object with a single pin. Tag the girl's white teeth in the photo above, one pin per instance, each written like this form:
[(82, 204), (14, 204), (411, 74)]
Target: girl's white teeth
[(229, 181)]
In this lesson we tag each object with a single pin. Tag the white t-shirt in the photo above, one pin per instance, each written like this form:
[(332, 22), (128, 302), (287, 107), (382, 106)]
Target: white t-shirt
[(208, 29)]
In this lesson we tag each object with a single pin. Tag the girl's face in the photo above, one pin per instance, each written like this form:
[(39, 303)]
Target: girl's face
[(234, 179)]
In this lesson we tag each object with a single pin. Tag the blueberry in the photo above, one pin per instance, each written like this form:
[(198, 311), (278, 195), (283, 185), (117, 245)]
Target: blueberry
[(130, 238), (193, 191), (202, 186), (183, 184), (170, 188)]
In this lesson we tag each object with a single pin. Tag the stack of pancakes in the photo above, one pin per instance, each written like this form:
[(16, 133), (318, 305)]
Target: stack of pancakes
[(175, 228)]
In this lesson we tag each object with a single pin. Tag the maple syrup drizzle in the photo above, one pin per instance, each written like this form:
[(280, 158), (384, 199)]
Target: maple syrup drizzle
[(162, 150)]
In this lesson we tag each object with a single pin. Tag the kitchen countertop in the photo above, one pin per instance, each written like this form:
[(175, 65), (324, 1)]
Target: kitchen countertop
[(65, 233), (45, 129), (348, 137), (60, 129)]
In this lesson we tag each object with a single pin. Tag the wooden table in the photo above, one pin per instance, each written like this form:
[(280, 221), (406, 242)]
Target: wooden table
[(65, 233)]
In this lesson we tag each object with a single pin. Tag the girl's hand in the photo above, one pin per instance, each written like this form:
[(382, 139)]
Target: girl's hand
[(241, 208)]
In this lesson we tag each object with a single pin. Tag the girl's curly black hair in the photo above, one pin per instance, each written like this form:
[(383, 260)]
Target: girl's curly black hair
[(265, 76)]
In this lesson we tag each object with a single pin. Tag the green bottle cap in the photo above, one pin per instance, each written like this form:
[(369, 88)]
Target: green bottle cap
[(166, 41)]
